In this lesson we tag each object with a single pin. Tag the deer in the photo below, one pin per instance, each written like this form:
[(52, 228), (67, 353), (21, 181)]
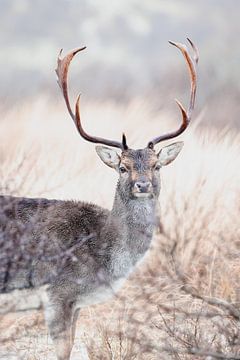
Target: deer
[(105, 245)]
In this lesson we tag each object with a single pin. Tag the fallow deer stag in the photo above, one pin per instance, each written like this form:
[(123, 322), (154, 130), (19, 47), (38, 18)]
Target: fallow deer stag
[(102, 246)]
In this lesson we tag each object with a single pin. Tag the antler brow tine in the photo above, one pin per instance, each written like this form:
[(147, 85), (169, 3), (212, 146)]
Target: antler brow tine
[(62, 78), (186, 114)]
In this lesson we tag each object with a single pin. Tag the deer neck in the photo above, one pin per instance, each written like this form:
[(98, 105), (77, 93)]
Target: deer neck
[(135, 221), (129, 230)]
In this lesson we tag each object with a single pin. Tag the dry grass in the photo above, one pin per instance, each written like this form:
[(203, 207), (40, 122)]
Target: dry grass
[(162, 312)]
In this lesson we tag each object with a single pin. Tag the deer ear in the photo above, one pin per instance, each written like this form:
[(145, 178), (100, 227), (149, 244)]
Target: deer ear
[(109, 156), (169, 153)]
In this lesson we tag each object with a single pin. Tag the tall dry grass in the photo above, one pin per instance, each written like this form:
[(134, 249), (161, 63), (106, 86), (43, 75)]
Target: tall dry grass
[(163, 310)]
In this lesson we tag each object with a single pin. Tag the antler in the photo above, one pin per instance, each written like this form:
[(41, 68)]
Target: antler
[(186, 114), (62, 75)]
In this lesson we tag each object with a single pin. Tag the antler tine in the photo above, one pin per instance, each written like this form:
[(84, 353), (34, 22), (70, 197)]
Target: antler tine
[(62, 75), (195, 50), (122, 145), (186, 114)]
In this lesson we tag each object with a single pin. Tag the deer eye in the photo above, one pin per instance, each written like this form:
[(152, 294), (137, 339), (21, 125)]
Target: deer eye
[(157, 167), (122, 169)]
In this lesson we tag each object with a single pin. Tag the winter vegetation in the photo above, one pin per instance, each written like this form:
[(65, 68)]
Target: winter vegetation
[(183, 301)]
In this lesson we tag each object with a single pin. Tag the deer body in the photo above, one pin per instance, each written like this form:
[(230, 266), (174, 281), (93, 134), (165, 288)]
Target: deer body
[(82, 252), (108, 242)]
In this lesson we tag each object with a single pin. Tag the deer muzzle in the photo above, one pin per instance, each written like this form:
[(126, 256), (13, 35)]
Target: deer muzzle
[(142, 189)]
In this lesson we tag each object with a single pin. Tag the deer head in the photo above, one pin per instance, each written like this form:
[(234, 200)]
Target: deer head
[(138, 169)]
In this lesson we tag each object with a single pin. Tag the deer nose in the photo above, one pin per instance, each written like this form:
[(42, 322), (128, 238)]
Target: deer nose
[(142, 186)]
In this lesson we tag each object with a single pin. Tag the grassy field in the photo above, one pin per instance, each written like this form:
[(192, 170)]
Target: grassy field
[(182, 303)]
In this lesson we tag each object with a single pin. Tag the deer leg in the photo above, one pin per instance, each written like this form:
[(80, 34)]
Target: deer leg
[(59, 318), (74, 324), (63, 346)]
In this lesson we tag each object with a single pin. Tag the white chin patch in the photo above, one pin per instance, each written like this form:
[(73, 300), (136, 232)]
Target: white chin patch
[(142, 195)]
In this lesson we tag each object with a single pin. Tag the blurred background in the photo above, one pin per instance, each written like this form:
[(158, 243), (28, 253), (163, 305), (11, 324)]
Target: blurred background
[(127, 55)]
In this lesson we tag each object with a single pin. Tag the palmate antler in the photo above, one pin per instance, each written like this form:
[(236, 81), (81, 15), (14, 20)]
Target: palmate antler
[(186, 114), (62, 74)]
